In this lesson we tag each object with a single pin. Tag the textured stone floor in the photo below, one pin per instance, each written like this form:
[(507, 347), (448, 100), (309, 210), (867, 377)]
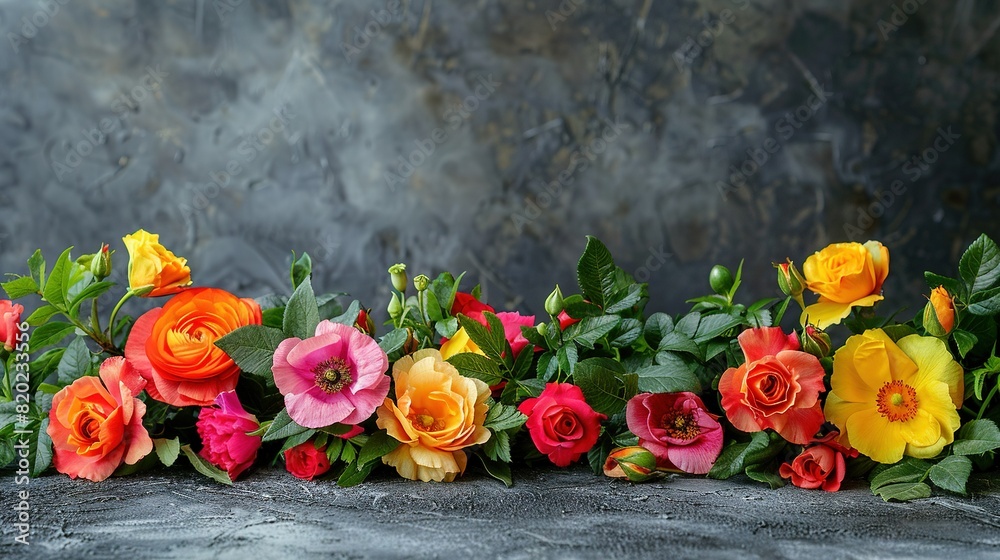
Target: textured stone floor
[(548, 514)]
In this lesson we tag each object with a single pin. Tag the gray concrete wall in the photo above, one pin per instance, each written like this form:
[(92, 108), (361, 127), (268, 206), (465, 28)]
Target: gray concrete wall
[(182, 88)]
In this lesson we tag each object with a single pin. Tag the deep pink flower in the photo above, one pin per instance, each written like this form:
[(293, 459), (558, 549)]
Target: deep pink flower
[(677, 429), (223, 429), (512, 323), (561, 423), (336, 376), (10, 316)]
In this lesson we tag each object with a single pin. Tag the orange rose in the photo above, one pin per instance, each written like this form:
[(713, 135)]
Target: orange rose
[(173, 346), (844, 275), (96, 427), (152, 267), (939, 313), (437, 413)]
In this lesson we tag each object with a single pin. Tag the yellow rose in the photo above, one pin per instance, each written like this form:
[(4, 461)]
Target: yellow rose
[(152, 265), (437, 413), (459, 344), (844, 275)]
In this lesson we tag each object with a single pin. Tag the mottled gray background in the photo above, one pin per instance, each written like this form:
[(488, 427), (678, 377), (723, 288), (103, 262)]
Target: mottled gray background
[(224, 66)]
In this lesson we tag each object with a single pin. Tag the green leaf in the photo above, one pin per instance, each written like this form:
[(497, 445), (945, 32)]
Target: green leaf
[(41, 315), (252, 348), (393, 340), (92, 291), (767, 476), (986, 302), (355, 474), (595, 272), (567, 356), (965, 341), (282, 427), (477, 366), (350, 316), (670, 375), (75, 362), (658, 325), (167, 450), (523, 362), (206, 468), (491, 341), (56, 286), (498, 446), (498, 470), (302, 312), (980, 265), (48, 334), (301, 269), (904, 492), (41, 449), (907, 470), (951, 474), (20, 287), (577, 308), (602, 381), (297, 439), (448, 327), (734, 457), (379, 443), (976, 437), (626, 300), (712, 326), (953, 286), (432, 306), (36, 267), (679, 342), (625, 333), (590, 330), (502, 417)]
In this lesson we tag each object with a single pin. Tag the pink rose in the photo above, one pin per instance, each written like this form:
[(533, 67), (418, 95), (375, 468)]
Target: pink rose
[(676, 428), (223, 429), (561, 423), (512, 323), (10, 317)]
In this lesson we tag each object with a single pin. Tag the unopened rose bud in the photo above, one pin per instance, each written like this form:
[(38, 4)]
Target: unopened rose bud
[(939, 313), (554, 303), (721, 280), (412, 344), (395, 308), (542, 328), (637, 464), (421, 282), (397, 273), (790, 281), (100, 267), (816, 342), (364, 322)]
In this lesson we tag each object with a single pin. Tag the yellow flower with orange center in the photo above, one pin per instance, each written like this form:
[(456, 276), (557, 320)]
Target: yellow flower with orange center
[(459, 344), (890, 399), (437, 414), (844, 275)]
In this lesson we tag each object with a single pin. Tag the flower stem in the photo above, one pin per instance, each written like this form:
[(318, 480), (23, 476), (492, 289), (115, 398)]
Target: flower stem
[(986, 401), (114, 313)]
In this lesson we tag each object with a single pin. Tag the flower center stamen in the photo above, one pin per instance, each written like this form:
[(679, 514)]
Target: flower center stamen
[(425, 422), (333, 375), (897, 401), (680, 425)]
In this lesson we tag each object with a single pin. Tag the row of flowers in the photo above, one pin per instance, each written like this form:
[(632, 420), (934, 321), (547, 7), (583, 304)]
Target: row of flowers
[(723, 390)]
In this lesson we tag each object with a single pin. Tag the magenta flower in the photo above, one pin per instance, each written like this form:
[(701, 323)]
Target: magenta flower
[(336, 376), (512, 323), (223, 430), (677, 429)]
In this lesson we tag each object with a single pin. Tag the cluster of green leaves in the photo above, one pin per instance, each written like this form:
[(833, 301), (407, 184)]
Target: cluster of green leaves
[(427, 316)]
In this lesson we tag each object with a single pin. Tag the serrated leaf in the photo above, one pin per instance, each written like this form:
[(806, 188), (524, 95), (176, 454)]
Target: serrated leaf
[(206, 468), (502, 417), (75, 362), (55, 286), (986, 302), (282, 427), (980, 265), (767, 476), (301, 269), (733, 459), (297, 439), (379, 443), (490, 340), (20, 287), (965, 341), (603, 385), (355, 474), (712, 326), (904, 492), (595, 272), (302, 312), (49, 334), (477, 366), (976, 437), (252, 348), (349, 317), (523, 362), (590, 330), (497, 447), (92, 291), (658, 325), (577, 308), (41, 315), (41, 449), (567, 357), (907, 470), (679, 342), (671, 375), (498, 470), (953, 286), (626, 300), (393, 340), (625, 333), (36, 267), (167, 450), (951, 474)]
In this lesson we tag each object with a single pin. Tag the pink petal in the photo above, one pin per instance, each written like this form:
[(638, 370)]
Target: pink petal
[(287, 377), (316, 409)]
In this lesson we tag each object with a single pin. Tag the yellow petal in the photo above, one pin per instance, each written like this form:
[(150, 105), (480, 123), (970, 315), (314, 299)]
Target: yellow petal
[(876, 437), (935, 363), (825, 313)]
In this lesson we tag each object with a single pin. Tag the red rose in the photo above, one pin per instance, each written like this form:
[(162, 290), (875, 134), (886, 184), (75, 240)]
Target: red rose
[(565, 320), (469, 306), (821, 465), (305, 461), (561, 423)]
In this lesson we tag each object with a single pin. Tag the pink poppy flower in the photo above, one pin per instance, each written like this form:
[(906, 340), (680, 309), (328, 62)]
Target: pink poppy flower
[(337, 376), (676, 428)]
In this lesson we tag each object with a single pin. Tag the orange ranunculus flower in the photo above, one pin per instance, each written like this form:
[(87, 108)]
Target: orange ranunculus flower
[(173, 346), (844, 275), (152, 265), (96, 427), (459, 344), (437, 413)]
